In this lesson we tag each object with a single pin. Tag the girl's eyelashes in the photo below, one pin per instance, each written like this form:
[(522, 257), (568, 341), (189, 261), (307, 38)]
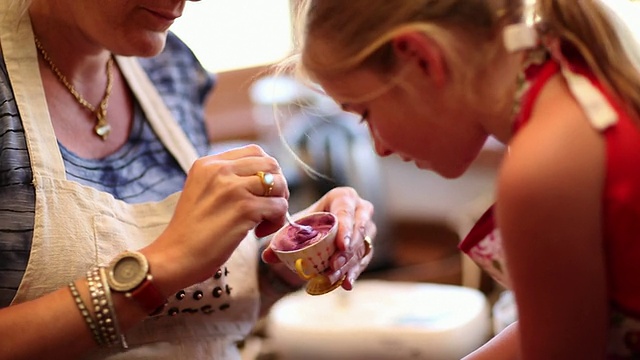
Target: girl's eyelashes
[(364, 116)]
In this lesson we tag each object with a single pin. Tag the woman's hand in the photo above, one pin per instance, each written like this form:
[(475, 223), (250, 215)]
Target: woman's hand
[(222, 200), (354, 223)]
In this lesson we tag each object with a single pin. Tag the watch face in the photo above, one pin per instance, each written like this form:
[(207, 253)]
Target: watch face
[(128, 272)]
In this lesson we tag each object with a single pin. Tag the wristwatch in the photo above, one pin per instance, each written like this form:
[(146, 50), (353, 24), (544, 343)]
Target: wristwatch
[(129, 273)]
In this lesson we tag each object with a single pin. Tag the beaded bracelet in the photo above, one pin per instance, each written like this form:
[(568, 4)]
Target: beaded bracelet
[(88, 319), (109, 333), (112, 309)]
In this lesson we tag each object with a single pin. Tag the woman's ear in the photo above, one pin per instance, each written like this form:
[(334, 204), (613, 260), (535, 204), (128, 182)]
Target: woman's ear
[(424, 52)]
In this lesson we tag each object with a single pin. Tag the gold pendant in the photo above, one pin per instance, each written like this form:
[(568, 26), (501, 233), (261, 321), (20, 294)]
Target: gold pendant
[(102, 129)]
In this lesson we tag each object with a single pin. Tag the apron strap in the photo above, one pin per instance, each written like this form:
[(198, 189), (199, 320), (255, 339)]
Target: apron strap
[(21, 59), (160, 118)]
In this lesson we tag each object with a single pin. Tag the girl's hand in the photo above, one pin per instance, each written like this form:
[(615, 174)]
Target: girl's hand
[(354, 224)]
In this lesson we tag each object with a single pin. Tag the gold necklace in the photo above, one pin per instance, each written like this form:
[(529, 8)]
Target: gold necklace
[(102, 128)]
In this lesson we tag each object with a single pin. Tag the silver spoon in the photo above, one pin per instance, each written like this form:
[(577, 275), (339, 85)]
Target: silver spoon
[(289, 219), (300, 227)]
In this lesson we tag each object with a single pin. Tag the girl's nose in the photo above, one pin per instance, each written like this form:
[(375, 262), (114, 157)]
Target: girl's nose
[(381, 150)]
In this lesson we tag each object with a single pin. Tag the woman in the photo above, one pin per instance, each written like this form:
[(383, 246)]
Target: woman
[(117, 230), (433, 79)]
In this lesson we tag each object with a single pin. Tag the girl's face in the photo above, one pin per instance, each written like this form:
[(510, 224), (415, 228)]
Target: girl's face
[(429, 125), (126, 27)]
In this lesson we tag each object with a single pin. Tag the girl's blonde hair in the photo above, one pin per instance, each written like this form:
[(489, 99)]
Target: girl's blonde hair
[(337, 36), (584, 26)]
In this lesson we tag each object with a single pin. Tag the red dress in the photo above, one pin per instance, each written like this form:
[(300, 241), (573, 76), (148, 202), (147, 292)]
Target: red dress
[(621, 208)]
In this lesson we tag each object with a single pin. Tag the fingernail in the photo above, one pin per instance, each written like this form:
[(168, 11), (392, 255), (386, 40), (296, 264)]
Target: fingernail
[(347, 242), (335, 276), (339, 262)]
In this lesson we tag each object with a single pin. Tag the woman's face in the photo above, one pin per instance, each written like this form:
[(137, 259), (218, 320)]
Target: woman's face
[(429, 126), (126, 27)]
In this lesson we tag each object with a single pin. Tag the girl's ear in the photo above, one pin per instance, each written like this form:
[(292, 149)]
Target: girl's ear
[(424, 52)]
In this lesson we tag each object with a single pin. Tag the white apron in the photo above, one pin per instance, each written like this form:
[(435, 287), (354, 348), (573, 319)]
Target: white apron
[(77, 227)]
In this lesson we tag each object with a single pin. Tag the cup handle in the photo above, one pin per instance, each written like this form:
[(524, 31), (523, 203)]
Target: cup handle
[(300, 270)]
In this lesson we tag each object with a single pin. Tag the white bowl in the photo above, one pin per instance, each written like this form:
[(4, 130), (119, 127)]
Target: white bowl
[(381, 320)]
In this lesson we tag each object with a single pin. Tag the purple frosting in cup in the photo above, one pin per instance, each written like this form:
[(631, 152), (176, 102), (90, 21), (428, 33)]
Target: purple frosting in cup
[(312, 229)]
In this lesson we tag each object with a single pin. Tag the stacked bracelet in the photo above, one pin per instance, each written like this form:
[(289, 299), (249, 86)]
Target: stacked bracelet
[(107, 290), (103, 308), (88, 319)]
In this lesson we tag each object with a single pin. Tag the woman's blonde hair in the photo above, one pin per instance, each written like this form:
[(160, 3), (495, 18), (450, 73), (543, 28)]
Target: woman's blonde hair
[(338, 36)]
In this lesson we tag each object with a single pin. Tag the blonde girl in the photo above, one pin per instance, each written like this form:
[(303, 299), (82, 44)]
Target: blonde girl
[(558, 82)]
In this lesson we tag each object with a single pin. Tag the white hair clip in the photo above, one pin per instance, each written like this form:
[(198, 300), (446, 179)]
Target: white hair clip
[(522, 35), (519, 37)]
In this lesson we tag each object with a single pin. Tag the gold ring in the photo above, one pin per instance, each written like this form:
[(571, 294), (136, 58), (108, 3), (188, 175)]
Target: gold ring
[(267, 180), (368, 245)]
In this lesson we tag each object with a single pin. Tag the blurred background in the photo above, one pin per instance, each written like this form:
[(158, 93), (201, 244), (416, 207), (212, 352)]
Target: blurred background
[(421, 217)]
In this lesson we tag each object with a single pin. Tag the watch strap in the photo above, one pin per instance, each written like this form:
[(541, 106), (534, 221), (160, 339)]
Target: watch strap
[(148, 296)]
